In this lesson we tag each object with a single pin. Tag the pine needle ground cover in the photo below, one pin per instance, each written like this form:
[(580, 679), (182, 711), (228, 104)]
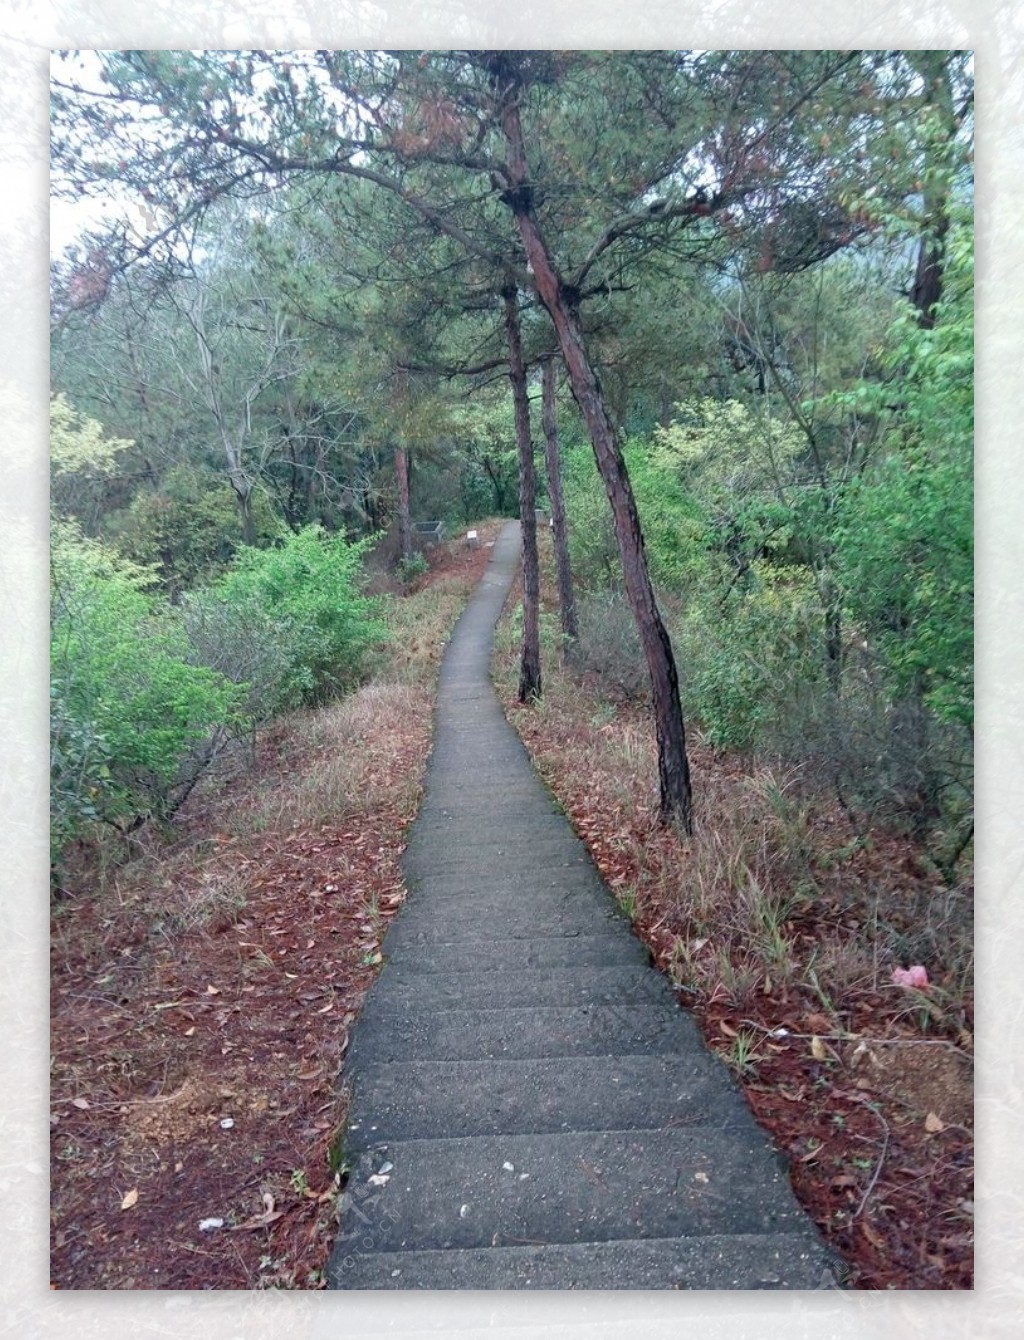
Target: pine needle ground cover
[(789, 932), (202, 993)]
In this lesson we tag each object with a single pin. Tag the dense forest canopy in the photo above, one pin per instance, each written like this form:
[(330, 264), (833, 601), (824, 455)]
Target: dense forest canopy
[(329, 294)]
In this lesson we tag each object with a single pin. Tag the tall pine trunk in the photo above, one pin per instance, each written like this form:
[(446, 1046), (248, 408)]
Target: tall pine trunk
[(529, 669), (676, 800), (559, 531)]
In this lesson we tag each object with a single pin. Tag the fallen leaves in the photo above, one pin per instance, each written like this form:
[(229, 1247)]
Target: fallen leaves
[(859, 1151), (297, 968), (269, 1216)]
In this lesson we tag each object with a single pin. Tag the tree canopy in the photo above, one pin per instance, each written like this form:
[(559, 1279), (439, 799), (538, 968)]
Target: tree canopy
[(751, 266)]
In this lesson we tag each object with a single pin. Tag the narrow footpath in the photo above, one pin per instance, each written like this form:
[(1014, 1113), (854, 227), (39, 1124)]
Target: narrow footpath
[(530, 1106)]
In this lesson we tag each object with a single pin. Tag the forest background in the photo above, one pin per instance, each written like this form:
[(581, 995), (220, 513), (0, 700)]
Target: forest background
[(757, 272)]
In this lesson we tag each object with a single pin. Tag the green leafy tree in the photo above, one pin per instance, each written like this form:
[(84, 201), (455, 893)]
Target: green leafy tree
[(564, 172), (906, 526)]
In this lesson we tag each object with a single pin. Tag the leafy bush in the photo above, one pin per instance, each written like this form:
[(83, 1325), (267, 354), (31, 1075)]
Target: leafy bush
[(239, 640), (412, 567), (593, 550), (133, 723), (751, 665), (905, 532), (303, 596), (189, 528)]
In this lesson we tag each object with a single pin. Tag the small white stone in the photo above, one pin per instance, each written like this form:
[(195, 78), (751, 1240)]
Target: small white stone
[(509, 1167), (227, 1123), (463, 1211), (205, 1225)]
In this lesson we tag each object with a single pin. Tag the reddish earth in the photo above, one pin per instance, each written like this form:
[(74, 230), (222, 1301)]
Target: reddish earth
[(875, 1116), (200, 1008)]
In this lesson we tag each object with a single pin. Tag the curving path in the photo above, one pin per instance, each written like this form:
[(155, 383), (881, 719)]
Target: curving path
[(530, 1106)]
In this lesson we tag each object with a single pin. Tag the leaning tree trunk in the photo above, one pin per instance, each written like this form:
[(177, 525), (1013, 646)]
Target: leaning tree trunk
[(529, 670), (566, 597), (673, 767), (404, 522), (242, 485)]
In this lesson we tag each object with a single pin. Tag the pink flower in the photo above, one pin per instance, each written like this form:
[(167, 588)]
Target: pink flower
[(913, 976)]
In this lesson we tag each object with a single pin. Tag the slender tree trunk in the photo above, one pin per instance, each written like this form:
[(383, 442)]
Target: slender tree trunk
[(566, 597), (404, 521), (832, 618), (928, 277), (676, 799), (243, 492), (497, 486), (673, 765), (315, 485), (529, 670)]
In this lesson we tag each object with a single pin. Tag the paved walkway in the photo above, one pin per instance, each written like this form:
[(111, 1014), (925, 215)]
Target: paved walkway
[(531, 1108)]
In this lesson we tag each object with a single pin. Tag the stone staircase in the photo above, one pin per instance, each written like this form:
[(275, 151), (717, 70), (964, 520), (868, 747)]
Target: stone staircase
[(530, 1106)]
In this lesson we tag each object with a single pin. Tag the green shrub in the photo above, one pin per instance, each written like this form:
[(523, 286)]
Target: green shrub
[(245, 644), (673, 529), (609, 644), (412, 567), (133, 723), (305, 595), (188, 528), (751, 665), (905, 535)]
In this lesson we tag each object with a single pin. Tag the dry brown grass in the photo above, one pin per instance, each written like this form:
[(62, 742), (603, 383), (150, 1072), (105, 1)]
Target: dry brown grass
[(781, 925), (771, 858)]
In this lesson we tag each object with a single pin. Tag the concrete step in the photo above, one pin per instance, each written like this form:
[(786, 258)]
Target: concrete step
[(526, 1033), (469, 779), (469, 823), (503, 890), (531, 804), (428, 1099), (596, 1186), (717, 1261), (428, 861), (496, 954), (588, 984), (411, 928), (454, 746)]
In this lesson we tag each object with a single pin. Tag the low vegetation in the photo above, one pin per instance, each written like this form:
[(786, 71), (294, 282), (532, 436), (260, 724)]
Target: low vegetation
[(787, 923), (203, 988)]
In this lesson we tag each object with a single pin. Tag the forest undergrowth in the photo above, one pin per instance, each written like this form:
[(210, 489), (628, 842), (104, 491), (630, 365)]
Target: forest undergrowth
[(202, 991), (789, 931)]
